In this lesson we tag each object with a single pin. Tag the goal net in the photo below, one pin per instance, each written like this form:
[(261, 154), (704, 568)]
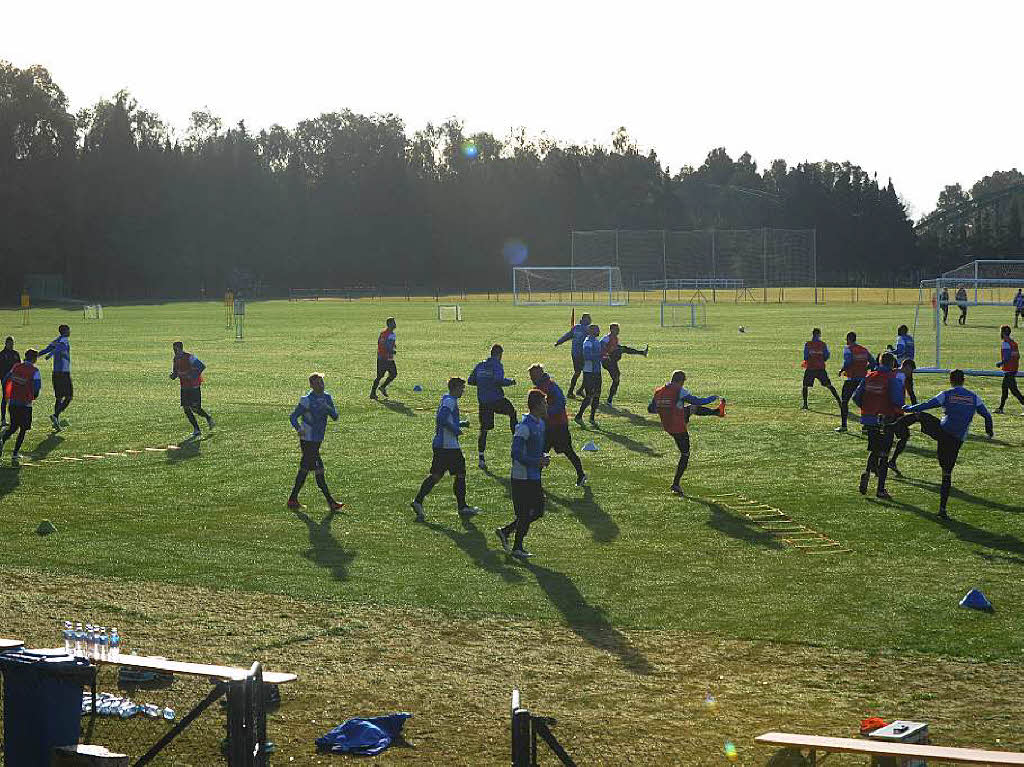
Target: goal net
[(553, 285), (689, 314), (958, 315), (92, 312), (449, 313)]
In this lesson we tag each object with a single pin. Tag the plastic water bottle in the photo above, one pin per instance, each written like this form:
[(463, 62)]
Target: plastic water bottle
[(79, 640), (114, 650), (90, 641), (168, 714), (103, 643), (69, 637)]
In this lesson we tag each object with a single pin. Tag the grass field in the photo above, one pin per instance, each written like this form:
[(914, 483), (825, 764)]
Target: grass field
[(636, 605)]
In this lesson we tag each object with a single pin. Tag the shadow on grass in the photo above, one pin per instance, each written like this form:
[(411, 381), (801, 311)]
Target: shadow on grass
[(398, 407), (187, 448), (325, 551), (958, 494), (586, 621), (603, 529), (504, 481), (727, 523), (967, 533), (626, 442), (634, 419), (47, 446), (996, 558), (9, 478), (473, 542)]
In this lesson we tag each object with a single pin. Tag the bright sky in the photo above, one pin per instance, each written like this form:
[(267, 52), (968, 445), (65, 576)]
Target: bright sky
[(929, 93)]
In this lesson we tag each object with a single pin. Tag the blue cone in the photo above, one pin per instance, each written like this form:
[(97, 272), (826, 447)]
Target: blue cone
[(975, 600), (417, 387), (590, 447)]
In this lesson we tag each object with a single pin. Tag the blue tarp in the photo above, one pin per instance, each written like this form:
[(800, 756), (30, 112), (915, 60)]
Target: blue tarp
[(363, 737)]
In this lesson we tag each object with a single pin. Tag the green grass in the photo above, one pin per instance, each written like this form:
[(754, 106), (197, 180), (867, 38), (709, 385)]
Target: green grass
[(625, 554)]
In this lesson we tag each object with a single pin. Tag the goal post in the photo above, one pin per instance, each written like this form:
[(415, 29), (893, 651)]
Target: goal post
[(92, 312), (451, 313), (566, 285), (684, 314)]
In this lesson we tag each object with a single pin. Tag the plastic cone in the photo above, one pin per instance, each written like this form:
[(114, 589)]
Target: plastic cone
[(417, 387), (46, 527), (975, 600), (590, 447)]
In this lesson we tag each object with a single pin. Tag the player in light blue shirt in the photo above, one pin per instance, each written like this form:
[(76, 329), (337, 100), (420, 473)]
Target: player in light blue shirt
[(959, 405), (309, 419), (489, 377), (578, 334), (1018, 306), (593, 352), (904, 350), (448, 457), (528, 461), (59, 349)]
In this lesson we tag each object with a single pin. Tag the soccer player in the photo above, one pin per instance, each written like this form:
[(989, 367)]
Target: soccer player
[(944, 304), (447, 452), (903, 351), (816, 354), (880, 398), (21, 385), (188, 369), (961, 301), (899, 429), (309, 419), (613, 352), (60, 350), (9, 357), (578, 333), (528, 461), (960, 405), (556, 433), (592, 352), (1009, 363), (489, 377), (1018, 306), (385, 359), (856, 362), (672, 403)]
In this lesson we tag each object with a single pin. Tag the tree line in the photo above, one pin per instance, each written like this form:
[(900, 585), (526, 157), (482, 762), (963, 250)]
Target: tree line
[(122, 205)]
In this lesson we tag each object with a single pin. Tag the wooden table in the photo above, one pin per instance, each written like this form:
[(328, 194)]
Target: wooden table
[(10, 644), (158, 663)]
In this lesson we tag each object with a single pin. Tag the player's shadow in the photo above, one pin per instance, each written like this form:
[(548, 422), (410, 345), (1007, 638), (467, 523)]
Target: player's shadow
[(634, 419), (9, 478), (187, 448), (603, 529), (587, 621), (740, 528), (627, 442), (325, 551), (47, 446), (996, 558), (473, 542), (968, 533), (398, 407), (987, 441), (955, 492), (504, 481)]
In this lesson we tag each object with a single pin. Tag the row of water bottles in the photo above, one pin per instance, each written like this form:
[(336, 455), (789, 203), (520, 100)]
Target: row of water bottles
[(92, 642), (108, 704)]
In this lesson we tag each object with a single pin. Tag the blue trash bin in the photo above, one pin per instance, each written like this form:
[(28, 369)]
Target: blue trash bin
[(42, 704)]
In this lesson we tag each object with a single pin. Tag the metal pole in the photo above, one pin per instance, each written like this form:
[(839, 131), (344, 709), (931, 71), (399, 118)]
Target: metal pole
[(664, 265), (764, 263), (938, 328), (515, 299), (714, 264), (814, 262)]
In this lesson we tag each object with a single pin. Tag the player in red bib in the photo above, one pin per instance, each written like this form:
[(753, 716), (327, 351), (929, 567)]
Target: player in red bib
[(856, 362), (672, 403), (386, 349), (21, 385), (880, 397), (1009, 363), (816, 354)]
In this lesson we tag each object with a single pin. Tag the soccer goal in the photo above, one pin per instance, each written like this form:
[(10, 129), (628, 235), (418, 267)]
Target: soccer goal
[(958, 315), (688, 314), (92, 312), (449, 313), (555, 285)]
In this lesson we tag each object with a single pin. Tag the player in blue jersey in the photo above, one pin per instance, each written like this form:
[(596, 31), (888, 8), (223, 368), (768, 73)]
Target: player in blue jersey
[(959, 405), (309, 419), (578, 333), (448, 458), (188, 369), (1018, 306), (489, 377), (59, 349), (880, 398), (593, 351), (903, 351), (9, 357), (528, 461), (900, 430)]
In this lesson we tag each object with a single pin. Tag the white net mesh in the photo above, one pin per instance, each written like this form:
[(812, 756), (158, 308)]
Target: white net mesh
[(689, 314), (568, 285), (449, 313)]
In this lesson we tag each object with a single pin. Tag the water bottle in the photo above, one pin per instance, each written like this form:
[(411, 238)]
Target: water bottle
[(69, 637), (115, 645), (90, 641), (79, 640), (103, 643), (168, 714)]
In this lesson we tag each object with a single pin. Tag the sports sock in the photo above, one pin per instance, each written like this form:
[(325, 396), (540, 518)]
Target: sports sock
[(201, 412), (680, 468), (300, 480), (459, 488), (425, 488), (21, 438), (192, 419), (575, 461), (805, 396), (481, 442), (594, 402), (321, 482), (613, 388), (883, 470), (947, 483), (572, 383)]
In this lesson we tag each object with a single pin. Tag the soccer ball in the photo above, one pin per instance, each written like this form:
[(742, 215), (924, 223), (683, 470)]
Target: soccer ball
[(743, 329)]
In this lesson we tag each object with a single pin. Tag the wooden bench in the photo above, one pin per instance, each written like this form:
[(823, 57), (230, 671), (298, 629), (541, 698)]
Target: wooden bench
[(10, 644), (815, 743)]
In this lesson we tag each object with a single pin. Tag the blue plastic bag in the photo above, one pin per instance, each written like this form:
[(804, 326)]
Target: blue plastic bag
[(363, 737)]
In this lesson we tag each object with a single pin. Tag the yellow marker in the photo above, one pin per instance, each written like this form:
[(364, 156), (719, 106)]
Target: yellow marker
[(25, 300)]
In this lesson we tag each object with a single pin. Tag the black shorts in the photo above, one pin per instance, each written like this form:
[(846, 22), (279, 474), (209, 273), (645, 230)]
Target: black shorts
[(612, 366), (62, 385), (21, 417), (192, 398), (386, 366), (448, 459), (311, 460), (947, 446), (683, 443), (577, 363), (488, 410), (880, 438), (592, 384), (849, 387), (557, 438), (528, 498), (810, 376), (1018, 313)]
